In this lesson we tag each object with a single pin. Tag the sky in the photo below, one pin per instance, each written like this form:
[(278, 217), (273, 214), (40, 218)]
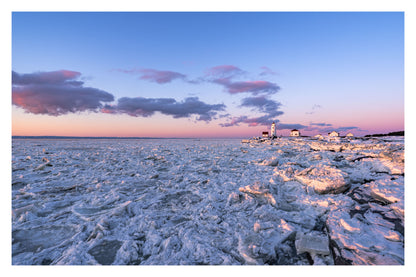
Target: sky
[(206, 74)]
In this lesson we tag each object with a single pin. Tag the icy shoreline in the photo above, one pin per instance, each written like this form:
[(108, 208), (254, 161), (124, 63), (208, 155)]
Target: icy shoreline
[(156, 202)]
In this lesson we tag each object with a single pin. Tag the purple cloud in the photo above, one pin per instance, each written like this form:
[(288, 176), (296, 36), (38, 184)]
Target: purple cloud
[(314, 108), (224, 74), (254, 87), (261, 104), (55, 93), (51, 77), (146, 107), (283, 126), (153, 75), (267, 71), (321, 124), (327, 127), (250, 121), (224, 71), (160, 77), (348, 128)]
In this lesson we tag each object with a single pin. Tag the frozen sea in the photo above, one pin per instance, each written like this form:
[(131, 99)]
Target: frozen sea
[(290, 201)]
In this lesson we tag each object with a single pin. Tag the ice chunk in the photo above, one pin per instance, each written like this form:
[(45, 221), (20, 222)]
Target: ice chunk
[(271, 162), (260, 191), (324, 179), (36, 239), (394, 167), (42, 166), (255, 249), (364, 240), (313, 244), (256, 227), (387, 191), (233, 198), (106, 251)]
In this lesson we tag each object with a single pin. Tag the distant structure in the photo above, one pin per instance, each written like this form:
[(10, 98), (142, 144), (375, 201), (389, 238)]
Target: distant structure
[(350, 135), (273, 130), (294, 133), (319, 136), (333, 134), (265, 134)]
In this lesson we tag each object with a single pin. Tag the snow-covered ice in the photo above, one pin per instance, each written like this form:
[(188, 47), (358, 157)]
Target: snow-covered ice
[(295, 201)]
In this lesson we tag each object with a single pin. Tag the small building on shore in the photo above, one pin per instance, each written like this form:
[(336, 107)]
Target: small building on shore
[(319, 136), (333, 134), (294, 133), (265, 135)]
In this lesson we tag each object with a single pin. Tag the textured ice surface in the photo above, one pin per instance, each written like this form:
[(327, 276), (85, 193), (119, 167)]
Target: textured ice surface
[(288, 201)]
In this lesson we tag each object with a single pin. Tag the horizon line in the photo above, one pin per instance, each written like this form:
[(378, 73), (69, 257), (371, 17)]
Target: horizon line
[(135, 137), (115, 137)]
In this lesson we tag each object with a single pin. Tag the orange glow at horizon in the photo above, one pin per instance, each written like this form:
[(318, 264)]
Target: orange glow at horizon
[(158, 125)]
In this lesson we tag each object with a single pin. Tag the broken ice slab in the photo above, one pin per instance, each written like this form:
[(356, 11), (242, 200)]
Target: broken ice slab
[(313, 244), (42, 237), (324, 179), (105, 253)]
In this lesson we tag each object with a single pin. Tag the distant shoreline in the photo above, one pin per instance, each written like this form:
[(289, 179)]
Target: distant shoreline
[(399, 133), (75, 137)]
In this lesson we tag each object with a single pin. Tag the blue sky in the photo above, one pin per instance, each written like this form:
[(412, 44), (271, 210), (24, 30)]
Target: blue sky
[(312, 70)]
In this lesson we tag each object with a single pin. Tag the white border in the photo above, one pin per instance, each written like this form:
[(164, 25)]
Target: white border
[(213, 5)]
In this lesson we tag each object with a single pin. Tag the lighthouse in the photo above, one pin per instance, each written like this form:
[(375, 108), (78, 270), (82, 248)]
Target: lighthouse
[(273, 130)]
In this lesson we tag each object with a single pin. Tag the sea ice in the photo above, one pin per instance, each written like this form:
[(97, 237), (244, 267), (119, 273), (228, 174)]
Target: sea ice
[(189, 201)]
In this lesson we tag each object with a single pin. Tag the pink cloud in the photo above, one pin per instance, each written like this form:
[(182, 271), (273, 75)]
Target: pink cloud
[(225, 74), (254, 87)]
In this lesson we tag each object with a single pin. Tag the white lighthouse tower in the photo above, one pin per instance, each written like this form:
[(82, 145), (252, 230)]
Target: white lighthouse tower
[(273, 130)]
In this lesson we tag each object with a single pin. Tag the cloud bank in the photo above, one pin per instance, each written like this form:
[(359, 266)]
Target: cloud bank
[(61, 92), (324, 128), (55, 93), (223, 75), (145, 107)]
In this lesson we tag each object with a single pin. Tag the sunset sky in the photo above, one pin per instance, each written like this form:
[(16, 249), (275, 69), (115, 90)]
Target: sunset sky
[(188, 74)]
